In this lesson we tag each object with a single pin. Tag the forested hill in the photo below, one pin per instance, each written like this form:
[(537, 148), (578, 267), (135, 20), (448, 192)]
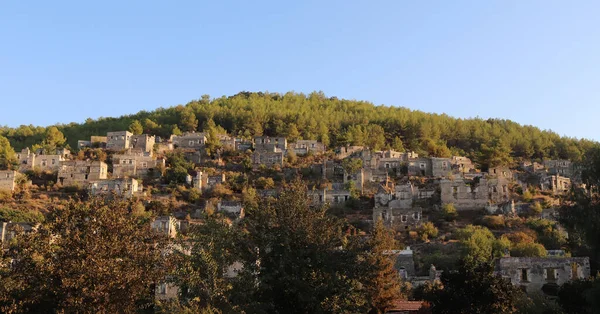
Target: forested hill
[(331, 120)]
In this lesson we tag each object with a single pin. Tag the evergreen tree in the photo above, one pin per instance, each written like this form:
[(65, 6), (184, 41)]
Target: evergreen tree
[(381, 281), (7, 155), (136, 127), (92, 255)]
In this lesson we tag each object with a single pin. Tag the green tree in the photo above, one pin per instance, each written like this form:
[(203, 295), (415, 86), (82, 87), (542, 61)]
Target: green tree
[(494, 154), (292, 133), (53, 139), (478, 244), (213, 143), (296, 259), (397, 144), (202, 264), (136, 127), (474, 288), (381, 280), (91, 256), (188, 120), (449, 212), (352, 165), (8, 159)]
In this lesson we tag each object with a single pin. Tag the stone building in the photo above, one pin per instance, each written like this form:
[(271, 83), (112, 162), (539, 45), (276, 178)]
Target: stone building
[(474, 194), (135, 163), (395, 205), (332, 196), (500, 172), (234, 208), (347, 151), (123, 187), (270, 144), (8, 180), (167, 225), (190, 140), (561, 167), (40, 160), (268, 158), (461, 165), (203, 181), (420, 167), (81, 172), (302, 147), (94, 142), (403, 262), (143, 142), (537, 274), (440, 167), (119, 140), (555, 183)]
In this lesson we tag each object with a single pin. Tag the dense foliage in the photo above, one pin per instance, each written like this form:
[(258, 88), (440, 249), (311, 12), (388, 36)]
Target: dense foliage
[(334, 121)]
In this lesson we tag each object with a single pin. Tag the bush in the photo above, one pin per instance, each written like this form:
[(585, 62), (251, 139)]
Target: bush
[(535, 209), (5, 196), (493, 222), (528, 250), (427, 231), (527, 196), (449, 212), (15, 215)]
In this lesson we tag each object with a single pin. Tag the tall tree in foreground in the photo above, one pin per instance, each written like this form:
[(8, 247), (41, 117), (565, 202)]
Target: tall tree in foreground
[(136, 127), (88, 257), (381, 279), (474, 289), (296, 259)]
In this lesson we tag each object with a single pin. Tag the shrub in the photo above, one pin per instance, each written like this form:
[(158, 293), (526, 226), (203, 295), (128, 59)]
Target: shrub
[(449, 212), (493, 222), (528, 250), (527, 196), (535, 209), (5, 195), (427, 231), (15, 215)]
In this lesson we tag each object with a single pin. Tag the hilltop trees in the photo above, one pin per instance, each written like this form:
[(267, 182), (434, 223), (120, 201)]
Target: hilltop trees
[(7, 154), (336, 122), (136, 127), (92, 255)]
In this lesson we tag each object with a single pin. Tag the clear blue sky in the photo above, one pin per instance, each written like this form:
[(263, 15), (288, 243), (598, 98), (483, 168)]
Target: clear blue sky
[(534, 62)]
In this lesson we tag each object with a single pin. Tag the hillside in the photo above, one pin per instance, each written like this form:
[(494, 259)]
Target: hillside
[(331, 120)]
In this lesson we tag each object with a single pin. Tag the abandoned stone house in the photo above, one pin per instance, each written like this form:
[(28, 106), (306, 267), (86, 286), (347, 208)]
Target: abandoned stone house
[(403, 262), (270, 144), (347, 151), (335, 195), (40, 161), (302, 147), (555, 183), (94, 142), (267, 158), (474, 194), (202, 181), (8, 180), (530, 166), (542, 274), (440, 167), (420, 167), (122, 187), (135, 163), (461, 165), (234, 208), (395, 205), (143, 142), (191, 140), (559, 167), (500, 172), (81, 172), (167, 225), (118, 140)]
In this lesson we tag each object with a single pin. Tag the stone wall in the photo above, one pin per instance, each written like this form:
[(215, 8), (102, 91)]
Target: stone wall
[(7, 180)]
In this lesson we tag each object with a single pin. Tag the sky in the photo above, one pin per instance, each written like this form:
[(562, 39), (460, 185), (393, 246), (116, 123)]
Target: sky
[(534, 62)]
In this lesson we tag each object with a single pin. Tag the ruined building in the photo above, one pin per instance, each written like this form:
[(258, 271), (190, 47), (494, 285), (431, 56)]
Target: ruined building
[(474, 194), (135, 163), (81, 172), (542, 274), (7, 180)]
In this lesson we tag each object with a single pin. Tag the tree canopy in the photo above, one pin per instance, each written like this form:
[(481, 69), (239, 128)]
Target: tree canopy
[(336, 122)]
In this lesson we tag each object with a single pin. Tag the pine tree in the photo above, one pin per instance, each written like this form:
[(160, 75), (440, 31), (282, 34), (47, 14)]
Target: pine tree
[(7, 154), (382, 281), (136, 127)]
